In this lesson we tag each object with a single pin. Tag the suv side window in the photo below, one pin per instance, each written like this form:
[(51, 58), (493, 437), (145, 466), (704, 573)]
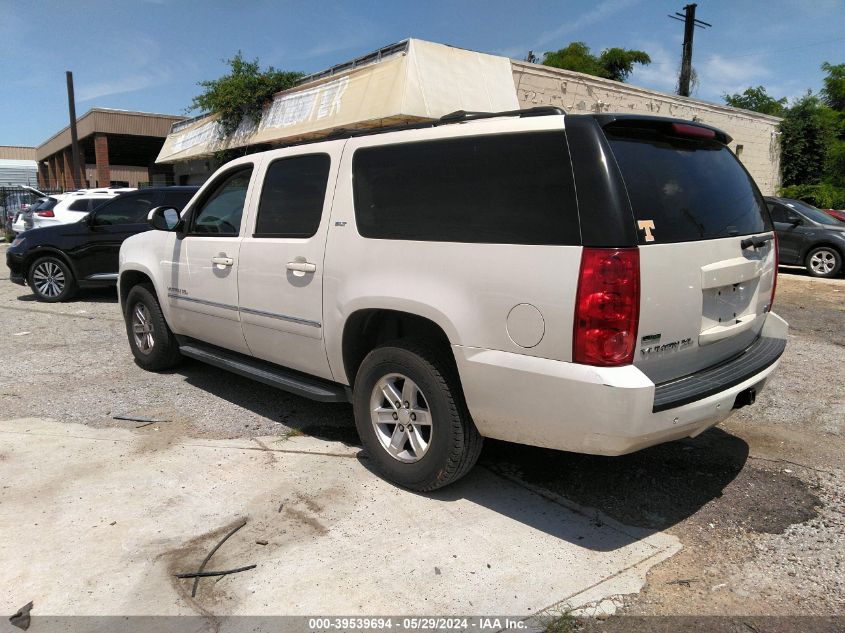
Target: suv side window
[(80, 205), (777, 212), (219, 213), (497, 189), (292, 197), (131, 209)]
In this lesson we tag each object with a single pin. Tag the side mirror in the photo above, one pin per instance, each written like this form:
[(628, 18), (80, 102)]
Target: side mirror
[(164, 218), (794, 219)]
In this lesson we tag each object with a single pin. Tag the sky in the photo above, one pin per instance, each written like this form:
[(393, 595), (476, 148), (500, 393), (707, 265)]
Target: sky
[(148, 55)]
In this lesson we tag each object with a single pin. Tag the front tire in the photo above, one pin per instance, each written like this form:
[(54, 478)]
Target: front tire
[(51, 280), (824, 261), (153, 344), (411, 417)]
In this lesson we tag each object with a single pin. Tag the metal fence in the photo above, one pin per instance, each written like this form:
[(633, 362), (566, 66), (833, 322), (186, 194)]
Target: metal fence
[(16, 199)]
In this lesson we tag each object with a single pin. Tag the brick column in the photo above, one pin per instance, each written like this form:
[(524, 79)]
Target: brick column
[(43, 175), (101, 151), (53, 165), (69, 180)]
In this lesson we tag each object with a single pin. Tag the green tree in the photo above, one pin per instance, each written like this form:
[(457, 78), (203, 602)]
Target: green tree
[(834, 86), (758, 100), (243, 92), (808, 131), (611, 63)]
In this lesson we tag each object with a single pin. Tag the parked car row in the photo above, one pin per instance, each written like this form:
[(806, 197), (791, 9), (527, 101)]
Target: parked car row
[(63, 208), (55, 260)]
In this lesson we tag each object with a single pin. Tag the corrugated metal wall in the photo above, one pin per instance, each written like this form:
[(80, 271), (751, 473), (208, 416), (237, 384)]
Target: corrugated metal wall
[(18, 172)]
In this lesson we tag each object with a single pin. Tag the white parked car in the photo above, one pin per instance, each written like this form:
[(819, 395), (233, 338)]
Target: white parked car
[(588, 283), (64, 208)]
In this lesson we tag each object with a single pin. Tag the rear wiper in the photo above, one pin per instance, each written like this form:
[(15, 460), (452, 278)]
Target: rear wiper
[(756, 242)]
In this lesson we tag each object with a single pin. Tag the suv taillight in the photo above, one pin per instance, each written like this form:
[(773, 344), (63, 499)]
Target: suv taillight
[(607, 307), (46, 214), (777, 263)]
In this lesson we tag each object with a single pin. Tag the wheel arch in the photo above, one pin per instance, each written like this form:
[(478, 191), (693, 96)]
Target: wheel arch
[(367, 328), (46, 251), (130, 278), (839, 248)]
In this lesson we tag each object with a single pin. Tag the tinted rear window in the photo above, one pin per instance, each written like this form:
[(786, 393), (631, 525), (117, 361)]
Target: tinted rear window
[(293, 195), (690, 190), (505, 189), (79, 205)]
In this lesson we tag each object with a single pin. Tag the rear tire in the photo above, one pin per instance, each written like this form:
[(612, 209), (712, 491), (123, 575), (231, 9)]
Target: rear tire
[(429, 440), (824, 261), (152, 342), (51, 279)]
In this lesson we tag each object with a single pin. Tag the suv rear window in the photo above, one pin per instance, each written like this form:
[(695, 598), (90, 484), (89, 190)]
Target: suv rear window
[(498, 189), (690, 189), (80, 205)]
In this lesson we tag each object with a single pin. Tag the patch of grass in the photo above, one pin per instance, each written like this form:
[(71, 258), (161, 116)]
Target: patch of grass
[(291, 433), (558, 620)]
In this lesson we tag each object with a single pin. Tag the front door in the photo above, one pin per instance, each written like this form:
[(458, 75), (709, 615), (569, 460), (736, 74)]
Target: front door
[(203, 291), (280, 276), (109, 226)]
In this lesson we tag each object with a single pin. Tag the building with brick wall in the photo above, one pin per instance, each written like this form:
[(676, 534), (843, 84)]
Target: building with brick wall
[(414, 81), (117, 148), (755, 135)]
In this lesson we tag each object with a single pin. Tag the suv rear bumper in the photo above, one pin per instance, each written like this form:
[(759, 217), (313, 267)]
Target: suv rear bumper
[(597, 410)]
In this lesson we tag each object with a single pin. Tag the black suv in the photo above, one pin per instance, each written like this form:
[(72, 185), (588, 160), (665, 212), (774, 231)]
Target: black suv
[(57, 260), (808, 236)]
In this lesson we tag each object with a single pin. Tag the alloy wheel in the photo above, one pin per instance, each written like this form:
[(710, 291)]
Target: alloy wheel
[(142, 328), (401, 418), (49, 279), (823, 261)]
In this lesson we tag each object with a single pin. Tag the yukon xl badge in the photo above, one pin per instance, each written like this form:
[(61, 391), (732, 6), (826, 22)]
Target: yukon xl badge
[(647, 226), (650, 345)]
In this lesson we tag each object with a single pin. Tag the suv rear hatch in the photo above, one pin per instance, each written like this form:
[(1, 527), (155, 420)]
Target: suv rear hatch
[(705, 286)]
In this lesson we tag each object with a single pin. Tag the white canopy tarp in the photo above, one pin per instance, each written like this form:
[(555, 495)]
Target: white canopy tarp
[(423, 82)]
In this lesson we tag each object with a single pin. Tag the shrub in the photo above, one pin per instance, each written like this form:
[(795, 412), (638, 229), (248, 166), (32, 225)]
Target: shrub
[(824, 196)]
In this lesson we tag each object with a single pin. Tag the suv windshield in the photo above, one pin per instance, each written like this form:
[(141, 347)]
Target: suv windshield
[(690, 189)]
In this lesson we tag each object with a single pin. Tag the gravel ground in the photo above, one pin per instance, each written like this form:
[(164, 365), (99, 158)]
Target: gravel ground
[(757, 503)]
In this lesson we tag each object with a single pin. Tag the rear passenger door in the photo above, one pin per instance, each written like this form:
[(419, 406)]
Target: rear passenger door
[(280, 277)]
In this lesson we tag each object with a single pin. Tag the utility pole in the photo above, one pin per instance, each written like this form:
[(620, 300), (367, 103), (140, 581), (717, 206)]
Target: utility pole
[(688, 18), (74, 139)]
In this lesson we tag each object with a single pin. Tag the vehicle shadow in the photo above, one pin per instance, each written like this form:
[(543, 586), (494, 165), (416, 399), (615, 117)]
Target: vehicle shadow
[(329, 421), (647, 491), (86, 295)]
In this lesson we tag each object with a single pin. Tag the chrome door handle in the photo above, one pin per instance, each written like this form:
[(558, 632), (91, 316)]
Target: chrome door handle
[(222, 261), (302, 267)]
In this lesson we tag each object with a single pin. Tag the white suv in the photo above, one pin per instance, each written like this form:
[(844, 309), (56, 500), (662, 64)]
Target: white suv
[(64, 208), (589, 283)]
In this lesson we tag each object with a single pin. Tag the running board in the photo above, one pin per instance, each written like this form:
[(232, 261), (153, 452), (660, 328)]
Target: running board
[(268, 373)]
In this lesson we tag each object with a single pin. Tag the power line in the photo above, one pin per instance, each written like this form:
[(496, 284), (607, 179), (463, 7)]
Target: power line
[(762, 52)]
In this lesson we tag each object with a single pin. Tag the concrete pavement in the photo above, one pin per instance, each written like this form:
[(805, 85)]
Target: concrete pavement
[(98, 521)]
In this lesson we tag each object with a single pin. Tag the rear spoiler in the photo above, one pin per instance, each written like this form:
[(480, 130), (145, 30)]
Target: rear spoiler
[(665, 125)]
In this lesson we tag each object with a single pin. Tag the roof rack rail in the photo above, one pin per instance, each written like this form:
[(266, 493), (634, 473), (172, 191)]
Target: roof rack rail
[(454, 117), (464, 115)]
